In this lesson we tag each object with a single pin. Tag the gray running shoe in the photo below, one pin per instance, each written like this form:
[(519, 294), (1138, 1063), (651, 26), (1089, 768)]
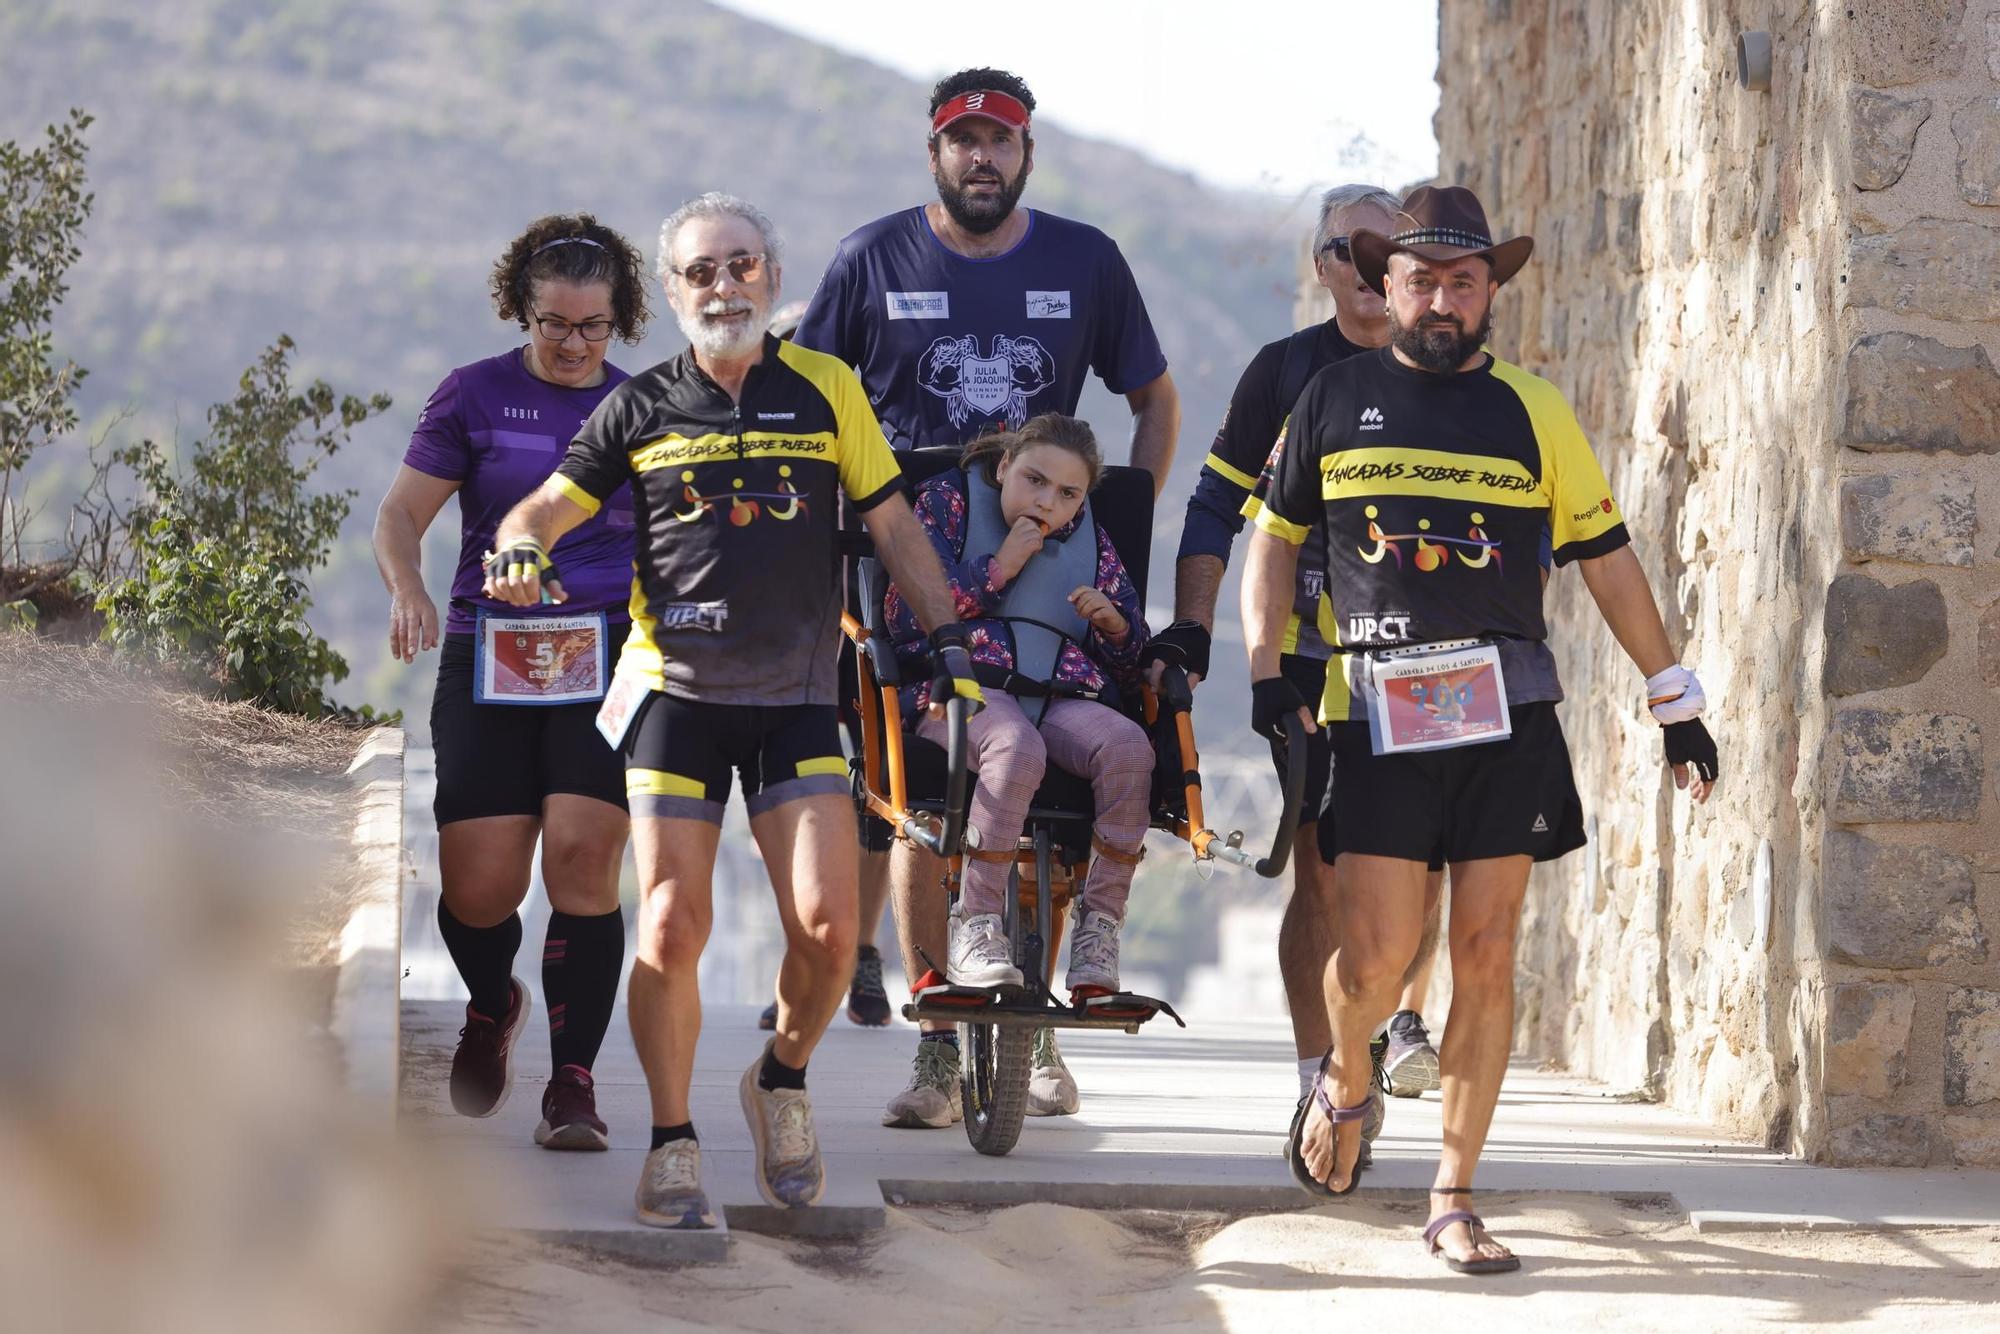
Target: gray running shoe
[(980, 955), (933, 1101), (1051, 1087), (1378, 1106), (670, 1193), (1410, 1065), (789, 1172)]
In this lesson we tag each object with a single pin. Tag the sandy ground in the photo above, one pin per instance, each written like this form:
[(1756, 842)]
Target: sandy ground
[(1589, 1263)]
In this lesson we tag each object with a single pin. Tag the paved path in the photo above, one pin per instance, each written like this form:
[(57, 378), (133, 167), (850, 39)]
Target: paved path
[(1170, 1119)]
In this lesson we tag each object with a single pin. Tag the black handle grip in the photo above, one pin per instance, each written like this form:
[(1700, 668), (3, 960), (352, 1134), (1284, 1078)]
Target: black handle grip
[(1273, 866), (945, 840)]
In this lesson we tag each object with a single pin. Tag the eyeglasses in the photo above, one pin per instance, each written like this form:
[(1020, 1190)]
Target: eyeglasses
[(702, 273), (1339, 247), (558, 331)]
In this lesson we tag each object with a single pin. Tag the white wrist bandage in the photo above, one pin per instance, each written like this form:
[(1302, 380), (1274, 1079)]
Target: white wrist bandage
[(1674, 696)]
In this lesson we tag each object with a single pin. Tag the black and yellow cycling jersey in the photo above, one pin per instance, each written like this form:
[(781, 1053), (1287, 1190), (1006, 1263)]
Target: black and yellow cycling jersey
[(735, 589), (1431, 492)]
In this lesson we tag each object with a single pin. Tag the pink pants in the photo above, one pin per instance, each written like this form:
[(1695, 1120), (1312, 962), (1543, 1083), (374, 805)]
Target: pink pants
[(1089, 740)]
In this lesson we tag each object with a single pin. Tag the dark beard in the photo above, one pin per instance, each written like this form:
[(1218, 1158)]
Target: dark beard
[(982, 215), (1438, 348)]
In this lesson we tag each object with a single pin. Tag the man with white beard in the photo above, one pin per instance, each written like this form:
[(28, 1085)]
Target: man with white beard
[(737, 451)]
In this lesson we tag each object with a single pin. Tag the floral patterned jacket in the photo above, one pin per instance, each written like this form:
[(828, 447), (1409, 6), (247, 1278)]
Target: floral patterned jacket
[(976, 591)]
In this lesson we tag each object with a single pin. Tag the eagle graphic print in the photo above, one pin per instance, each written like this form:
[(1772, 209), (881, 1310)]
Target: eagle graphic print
[(1000, 385)]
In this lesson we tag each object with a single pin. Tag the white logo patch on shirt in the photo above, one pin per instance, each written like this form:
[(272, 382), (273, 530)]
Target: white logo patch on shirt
[(1048, 305), (919, 305), (776, 416), (1371, 419)]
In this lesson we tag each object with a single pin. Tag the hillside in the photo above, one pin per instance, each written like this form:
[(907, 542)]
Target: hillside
[(346, 172)]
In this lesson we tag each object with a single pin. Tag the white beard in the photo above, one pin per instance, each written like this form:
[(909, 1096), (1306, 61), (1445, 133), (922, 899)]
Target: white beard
[(719, 343)]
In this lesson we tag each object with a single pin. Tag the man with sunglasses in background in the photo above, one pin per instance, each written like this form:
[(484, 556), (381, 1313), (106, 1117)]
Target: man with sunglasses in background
[(737, 452), (966, 316), (1233, 479)]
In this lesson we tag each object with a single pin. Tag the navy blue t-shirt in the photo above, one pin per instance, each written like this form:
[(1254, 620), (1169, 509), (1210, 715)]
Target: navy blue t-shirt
[(950, 348)]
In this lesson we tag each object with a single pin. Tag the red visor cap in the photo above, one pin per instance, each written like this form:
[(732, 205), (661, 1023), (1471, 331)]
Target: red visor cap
[(994, 106)]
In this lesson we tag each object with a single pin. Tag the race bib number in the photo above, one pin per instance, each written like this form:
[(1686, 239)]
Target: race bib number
[(621, 706), (539, 660), (1435, 697)]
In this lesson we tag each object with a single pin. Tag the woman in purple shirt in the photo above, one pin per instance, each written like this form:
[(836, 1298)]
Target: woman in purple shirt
[(513, 720)]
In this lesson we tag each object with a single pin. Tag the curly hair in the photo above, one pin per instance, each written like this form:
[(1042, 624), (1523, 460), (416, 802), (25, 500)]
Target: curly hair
[(1050, 428), (575, 248), (973, 80)]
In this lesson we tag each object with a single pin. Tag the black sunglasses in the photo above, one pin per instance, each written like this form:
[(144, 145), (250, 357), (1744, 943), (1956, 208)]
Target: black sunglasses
[(1340, 248)]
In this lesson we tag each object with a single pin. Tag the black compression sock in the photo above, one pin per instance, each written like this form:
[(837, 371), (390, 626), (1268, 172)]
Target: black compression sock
[(581, 960), (484, 956), (668, 1134), (777, 1075)]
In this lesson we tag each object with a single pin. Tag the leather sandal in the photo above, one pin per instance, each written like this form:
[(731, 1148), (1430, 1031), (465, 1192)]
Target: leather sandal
[(1294, 1142), (1497, 1264)]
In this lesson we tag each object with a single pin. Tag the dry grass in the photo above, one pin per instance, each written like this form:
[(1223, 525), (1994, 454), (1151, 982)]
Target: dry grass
[(227, 765)]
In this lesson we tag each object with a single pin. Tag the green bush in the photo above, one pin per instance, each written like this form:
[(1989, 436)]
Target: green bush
[(220, 549)]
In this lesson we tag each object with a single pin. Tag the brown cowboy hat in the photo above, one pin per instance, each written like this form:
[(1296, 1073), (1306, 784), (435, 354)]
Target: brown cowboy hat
[(1444, 222)]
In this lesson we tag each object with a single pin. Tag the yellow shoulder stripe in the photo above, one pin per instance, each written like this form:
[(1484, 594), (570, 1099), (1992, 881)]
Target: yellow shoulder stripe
[(1222, 468)]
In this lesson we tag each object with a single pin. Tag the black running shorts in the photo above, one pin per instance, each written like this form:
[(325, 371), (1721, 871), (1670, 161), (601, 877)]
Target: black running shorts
[(1309, 676), (502, 759), (679, 754), (1502, 799)]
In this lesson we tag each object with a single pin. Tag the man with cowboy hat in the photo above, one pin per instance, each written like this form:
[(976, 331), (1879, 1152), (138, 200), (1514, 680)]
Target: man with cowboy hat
[(1431, 467)]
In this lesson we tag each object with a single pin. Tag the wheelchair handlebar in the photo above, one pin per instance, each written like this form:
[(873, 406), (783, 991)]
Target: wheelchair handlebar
[(944, 840), (1175, 696), (1273, 866)]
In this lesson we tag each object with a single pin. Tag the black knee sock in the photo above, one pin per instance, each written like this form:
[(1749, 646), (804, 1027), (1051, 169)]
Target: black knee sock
[(668, 1134), (485, 959), (777, 1075), (580, 965)]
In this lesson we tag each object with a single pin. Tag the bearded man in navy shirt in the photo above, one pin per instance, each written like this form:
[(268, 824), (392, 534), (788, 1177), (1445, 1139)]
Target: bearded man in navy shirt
[(963, 317)]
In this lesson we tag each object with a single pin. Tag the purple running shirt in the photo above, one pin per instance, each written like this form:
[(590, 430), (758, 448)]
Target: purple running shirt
[(499, 432)]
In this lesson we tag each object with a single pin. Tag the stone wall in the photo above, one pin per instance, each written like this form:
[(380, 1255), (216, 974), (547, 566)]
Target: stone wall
[(1777, 314)]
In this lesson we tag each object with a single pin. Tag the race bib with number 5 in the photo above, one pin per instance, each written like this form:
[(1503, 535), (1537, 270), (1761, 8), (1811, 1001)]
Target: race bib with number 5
[(539, 659), (1435, 697)]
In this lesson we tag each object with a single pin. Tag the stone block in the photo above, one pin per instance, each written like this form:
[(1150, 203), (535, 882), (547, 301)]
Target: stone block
[(1882, 135), (1907, 42), (1974, 1140), (1993, 45), (1867, 1032), (1892, 765), (1909, 392), (1898, 907), (1947, 270), (1878, 636), (1865, 1136), (1976, 126), (1989, 645), (1972, 1047), (1925, 518)]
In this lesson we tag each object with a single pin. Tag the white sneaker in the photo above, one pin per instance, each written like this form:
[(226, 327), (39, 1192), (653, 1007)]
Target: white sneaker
[(670, 1193), (980, 955), (1093, 950), (1051, 1087)]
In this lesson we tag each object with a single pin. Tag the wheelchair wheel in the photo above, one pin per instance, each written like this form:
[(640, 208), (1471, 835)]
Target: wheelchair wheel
[(995, 1083)]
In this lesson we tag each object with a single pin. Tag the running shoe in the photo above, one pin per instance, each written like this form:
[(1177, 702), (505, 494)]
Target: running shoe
[(670, 1193), (482, 1069), (1093, 950), (768, 1021), (1410, 1065), (867, 1003), (789, 1172), (934, 1099), (569, 1113), (1051, 1087), (980, 955), (1378, 1107)]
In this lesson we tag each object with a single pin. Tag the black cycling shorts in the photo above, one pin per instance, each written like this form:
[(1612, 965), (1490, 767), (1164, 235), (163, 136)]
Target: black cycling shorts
[(1309, 676), (1501, 799), (503, 759), (679, 753)]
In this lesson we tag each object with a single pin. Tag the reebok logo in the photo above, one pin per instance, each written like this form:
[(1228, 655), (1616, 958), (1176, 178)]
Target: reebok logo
[(1371, 419), (1540, 826)]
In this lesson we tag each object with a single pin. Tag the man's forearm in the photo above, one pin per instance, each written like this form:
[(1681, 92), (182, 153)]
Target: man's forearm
[(539, 516), (1269, 567), (1156, 425), (912, 562), (1618, 584), (1197, 582)]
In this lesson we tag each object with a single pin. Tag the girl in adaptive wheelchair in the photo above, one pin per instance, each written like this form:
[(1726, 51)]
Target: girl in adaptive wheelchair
[(1056, 630)]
